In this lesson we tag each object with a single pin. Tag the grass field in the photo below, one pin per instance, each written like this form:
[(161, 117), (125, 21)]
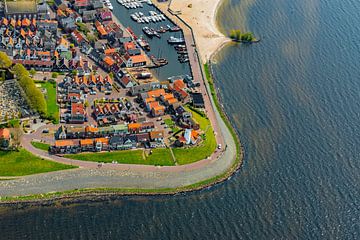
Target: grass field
[(52, 107), (170, 123), (159, 157), (41, 146), (24, 163), (207, 147)]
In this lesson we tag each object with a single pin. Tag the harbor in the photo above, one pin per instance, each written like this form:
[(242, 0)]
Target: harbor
[(157, 35)]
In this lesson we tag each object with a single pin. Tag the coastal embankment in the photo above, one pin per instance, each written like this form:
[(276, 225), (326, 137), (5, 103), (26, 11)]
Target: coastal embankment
[(138, 179)]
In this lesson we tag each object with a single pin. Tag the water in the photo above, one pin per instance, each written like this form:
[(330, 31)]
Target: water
[(159, 47), (294, 99)]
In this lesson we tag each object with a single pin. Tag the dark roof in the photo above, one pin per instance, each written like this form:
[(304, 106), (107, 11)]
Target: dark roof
[(197, 99)]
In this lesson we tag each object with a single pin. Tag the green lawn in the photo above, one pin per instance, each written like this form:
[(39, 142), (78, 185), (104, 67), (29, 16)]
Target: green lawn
[(52, 107), (41, 146), (170, 123), (24, 163), (192, 154), (159, 157)]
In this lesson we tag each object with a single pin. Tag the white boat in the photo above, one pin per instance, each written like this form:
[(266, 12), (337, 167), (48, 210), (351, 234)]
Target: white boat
[(141, 14)]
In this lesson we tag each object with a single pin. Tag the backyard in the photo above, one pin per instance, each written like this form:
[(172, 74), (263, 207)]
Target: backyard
[(50, 97), (22, 162)]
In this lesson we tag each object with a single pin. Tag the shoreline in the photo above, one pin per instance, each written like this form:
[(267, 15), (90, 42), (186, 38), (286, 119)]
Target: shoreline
[(202, 19), (74, 195)]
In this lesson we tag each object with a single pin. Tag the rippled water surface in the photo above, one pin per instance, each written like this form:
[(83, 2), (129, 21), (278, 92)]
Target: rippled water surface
[(294, 99)]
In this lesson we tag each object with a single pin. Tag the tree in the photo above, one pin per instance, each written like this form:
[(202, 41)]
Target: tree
[(5, 61), (54, 75), (111, 75), (74, 72), (32, 72), (86, 104), (247, 37), (16, 133)]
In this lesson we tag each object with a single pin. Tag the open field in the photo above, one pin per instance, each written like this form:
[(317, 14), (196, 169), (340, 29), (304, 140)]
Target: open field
[(52, 107), (24, 163), (192, 154), (41, 146), (159, 157)]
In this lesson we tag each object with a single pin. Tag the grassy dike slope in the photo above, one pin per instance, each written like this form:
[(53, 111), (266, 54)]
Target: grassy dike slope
[(22, 163)]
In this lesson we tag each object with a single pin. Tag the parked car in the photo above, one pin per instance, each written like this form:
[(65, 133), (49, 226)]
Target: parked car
[(46, 130)]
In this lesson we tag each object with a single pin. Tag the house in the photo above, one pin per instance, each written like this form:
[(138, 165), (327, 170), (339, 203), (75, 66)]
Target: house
[(63, 45), (157, 93), (191, 136), (158, 111), (78, 38), (147, 126), (81, 4), (134, 127), (126, 82), (65, 146), (43, 10), (138, 89), (5, 138), (60, 133), (89, 16), (78, 114), (197, 100), (136, 61), (101, 144), (87, 145), (143, 137), (68, 24), (157, 136), (104, 14)]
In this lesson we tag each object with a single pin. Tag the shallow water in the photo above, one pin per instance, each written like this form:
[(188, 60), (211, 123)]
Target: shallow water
[(294, 99)]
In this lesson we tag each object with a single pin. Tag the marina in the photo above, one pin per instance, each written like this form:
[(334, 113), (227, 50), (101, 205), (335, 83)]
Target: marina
[(153, 36)]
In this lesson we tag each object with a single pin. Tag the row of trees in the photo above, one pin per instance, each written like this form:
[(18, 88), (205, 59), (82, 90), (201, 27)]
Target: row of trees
[(36, 98), (238, 36)]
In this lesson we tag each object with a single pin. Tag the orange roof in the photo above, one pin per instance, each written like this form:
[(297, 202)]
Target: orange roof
[(5, 21), (22, 33), (12, 22), (134, 125), (100, 28), (18, 22), (109, 50), (47, 53), (168, 96), (4, 133), (156, 134), (156, 93), (91, 129), (195, 134), (138, 59), (153, 104), (179, 84), (109, 61), (159, 108), (33, 22), (64, 143), (86, 142), (102, 140), (172, 100), (149, 99), (56, 54), (129, 45), (64, 42), (108, 79), (26, 22)]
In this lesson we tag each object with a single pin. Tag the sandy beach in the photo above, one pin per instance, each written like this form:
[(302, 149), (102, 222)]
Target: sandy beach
[(201, 16)]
